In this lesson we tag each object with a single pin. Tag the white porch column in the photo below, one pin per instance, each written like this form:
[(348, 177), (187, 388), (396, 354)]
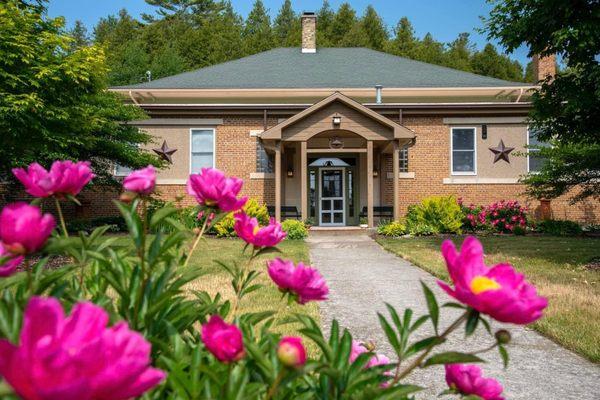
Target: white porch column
[(396, 173), (370, 219), (278, 181), (304, 180)]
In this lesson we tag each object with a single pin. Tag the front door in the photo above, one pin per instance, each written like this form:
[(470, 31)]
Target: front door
[(332, 195)]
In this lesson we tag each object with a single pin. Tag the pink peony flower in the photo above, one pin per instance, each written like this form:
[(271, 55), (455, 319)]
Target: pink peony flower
[(468, 380), (291, 352), (64, 177), (359, 348), (224, 341), (141, 181), (212, 189), (304, 282), (76, 357), (247, 229), (23, 228), (10, 266), (500, 291)]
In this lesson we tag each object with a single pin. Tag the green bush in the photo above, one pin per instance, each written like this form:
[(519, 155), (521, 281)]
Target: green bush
[(295, 229), (560, 227), (224, 228), (187, 216), (116, 224), (391, 228), (435, 214)]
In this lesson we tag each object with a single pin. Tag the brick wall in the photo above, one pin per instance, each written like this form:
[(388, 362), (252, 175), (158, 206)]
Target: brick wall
[(429, 160)]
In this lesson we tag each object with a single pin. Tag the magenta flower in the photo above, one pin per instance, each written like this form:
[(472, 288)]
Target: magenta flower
[(76, 357), (247, 229), (291, 352), (468, 380), (9, 266), (64, 177), (500, 291), (23, 228), (224, 341), (212, 189), (141, 181), (303, 282)]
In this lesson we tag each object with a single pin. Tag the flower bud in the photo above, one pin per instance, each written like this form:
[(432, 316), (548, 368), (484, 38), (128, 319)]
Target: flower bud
[(503, 336), (291, 352), (127, 197)]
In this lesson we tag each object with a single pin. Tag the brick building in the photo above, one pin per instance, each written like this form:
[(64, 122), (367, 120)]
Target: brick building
[(337, 133)]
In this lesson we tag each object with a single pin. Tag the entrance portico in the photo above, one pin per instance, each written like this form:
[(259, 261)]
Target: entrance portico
[(337, 146)]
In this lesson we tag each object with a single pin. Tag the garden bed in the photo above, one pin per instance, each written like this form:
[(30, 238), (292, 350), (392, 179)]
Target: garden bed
[(558, 267)]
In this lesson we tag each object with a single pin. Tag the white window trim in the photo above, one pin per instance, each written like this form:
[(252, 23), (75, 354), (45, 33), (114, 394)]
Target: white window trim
[(214, 132), (474, 172), (529, 171)]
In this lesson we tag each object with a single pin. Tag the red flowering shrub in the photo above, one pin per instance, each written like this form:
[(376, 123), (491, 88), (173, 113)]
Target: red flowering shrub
[(501, 216)]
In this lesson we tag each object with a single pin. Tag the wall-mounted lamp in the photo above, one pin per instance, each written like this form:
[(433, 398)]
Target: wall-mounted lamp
[(290, 165), (375, 173), (290, 173), (337, 120), (484, 132)]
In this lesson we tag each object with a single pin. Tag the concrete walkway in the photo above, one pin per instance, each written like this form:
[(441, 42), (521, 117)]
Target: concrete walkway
[(362, 276)]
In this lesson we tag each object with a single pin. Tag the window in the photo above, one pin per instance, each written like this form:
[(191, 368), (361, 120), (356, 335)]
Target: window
[(202, 149), (264, 160), (464, 155), (121, 170), (404, 159), (534, 162)]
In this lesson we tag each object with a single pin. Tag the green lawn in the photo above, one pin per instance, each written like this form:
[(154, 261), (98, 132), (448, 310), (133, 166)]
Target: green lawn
[(555, 265)]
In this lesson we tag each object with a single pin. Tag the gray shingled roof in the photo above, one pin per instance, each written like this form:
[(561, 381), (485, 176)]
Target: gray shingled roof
[(328, 68)]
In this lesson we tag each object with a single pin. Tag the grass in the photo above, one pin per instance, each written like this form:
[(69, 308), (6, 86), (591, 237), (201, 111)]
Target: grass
[(268, 298), (555, 265)]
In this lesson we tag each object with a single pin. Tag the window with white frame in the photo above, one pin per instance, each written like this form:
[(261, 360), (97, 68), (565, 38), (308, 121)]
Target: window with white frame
[(121, 170), (404, 159), (464, 153), (534, 161), (202, 149)]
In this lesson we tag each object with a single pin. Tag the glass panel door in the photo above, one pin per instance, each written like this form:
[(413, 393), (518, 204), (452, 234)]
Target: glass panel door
[(332, 197)]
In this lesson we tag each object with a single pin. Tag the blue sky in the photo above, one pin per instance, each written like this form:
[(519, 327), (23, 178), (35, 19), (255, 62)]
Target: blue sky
[(445, 19)]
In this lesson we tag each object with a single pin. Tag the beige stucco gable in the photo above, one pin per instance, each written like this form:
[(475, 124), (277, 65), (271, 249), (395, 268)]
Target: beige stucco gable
[(354, 117)]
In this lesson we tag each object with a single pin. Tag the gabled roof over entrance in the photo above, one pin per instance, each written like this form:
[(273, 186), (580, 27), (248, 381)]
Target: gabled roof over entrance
[(399, 131)]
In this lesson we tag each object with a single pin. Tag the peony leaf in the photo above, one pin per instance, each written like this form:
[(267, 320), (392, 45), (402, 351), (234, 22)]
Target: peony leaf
[(451, 357)]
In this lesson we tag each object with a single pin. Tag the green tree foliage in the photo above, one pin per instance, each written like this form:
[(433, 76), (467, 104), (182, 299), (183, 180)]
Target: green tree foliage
[(566, 108), (404, 43), (325, 18), (53, 100), (374, 28), (80, 36), (257, 33), (343, 22), (489, 62), (286, 27)]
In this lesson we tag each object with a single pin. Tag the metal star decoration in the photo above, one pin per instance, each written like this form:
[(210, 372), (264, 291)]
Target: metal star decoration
[(501, 152), (165, 152)]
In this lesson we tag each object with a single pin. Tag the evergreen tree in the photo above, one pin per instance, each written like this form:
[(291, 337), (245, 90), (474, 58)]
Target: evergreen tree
[(286, 27), (356, 37), (430, 50), (325, 18), (167, 62), (182, 8), (459, 53), (224, 36), (80, 36), (404, 42), (374, 29), (342, 24), (489, 63), (257, 32)]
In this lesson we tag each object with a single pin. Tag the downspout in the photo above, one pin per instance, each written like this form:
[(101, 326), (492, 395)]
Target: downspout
[(133, 98), (520, 94)]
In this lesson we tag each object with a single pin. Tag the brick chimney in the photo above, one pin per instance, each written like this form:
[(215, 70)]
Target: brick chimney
[(309, 32), (544, 67)]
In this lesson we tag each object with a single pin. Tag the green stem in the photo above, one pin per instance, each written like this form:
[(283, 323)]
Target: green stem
[(236, 299), (61, 217), (273, 389), (417, 362), (189, 257), (141, 254), (27, 265)]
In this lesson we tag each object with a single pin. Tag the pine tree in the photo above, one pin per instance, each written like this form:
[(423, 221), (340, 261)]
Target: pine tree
[(167, 62), (489, 63), (257, 33), (286, 27), (404, 42), (430, 50), (80, 36), (325, 18), (374, 29), (342, 23), (459, 53)]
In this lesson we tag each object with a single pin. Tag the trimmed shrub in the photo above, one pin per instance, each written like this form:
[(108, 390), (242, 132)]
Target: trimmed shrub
[(391, 228), (435, 214), (116, 224), (224, 228), (296, 230), (559, 227)]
